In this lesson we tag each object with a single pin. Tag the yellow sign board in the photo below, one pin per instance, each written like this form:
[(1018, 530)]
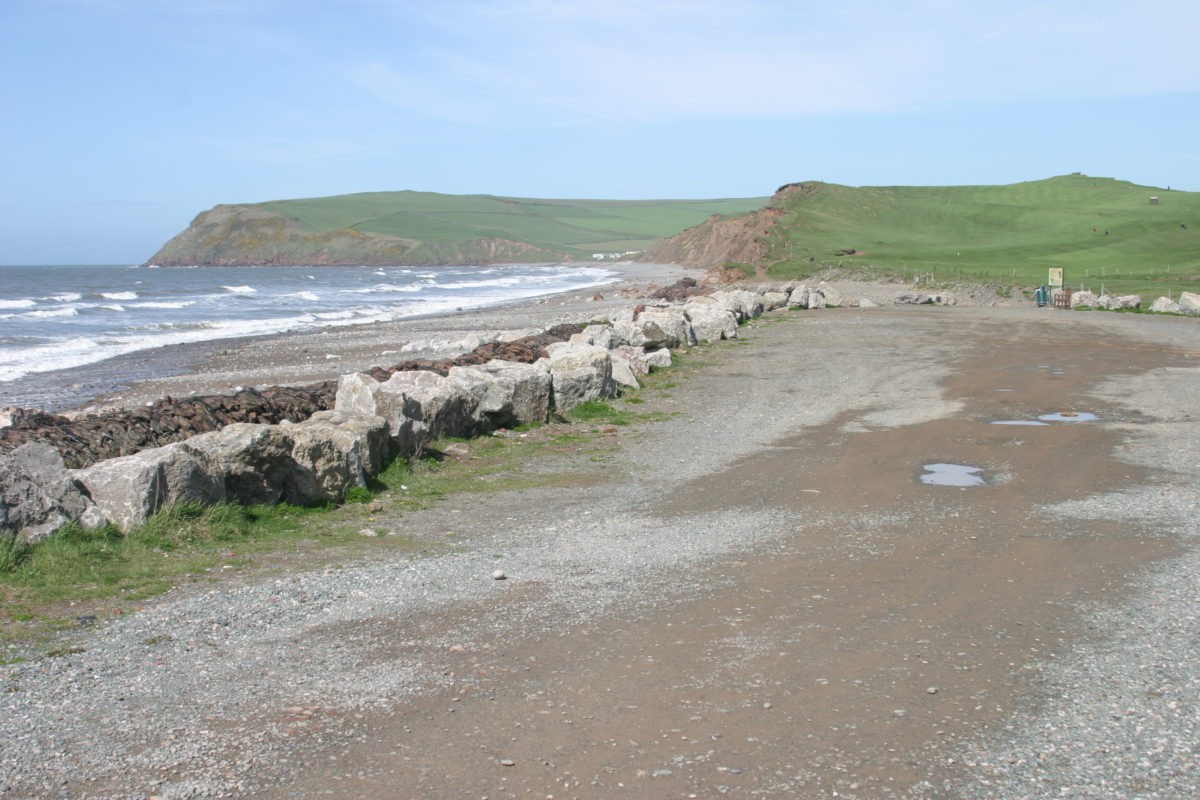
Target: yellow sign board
[(1056, 276)]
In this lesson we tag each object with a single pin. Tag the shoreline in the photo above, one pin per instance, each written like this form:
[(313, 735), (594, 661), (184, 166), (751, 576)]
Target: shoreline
[(302, 357)]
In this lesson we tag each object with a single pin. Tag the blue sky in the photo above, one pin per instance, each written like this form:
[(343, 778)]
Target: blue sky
[(125, 118)]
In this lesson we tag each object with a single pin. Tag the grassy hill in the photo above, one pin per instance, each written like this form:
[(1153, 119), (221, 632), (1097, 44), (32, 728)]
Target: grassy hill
[(1102, 231), (427, 228)]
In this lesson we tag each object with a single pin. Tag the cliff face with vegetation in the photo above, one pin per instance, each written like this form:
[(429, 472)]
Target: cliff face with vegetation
[(249, 236), (428, 229)]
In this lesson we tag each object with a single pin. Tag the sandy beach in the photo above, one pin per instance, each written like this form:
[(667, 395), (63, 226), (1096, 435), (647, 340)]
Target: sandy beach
[(300, 358)]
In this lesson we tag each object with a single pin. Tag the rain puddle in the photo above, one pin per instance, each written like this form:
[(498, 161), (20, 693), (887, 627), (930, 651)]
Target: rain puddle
[(952, 475), (1069, 416), (1018, 422)]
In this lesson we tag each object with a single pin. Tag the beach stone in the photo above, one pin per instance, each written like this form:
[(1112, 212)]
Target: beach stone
[(866, 302), (1189, 302), (580, 373), (799, 297), (1165, 305), (1084, 298), (711, 322), (128, 489), (38, 495), (255, 461), (506, 393), (911, 299), (332, 451)]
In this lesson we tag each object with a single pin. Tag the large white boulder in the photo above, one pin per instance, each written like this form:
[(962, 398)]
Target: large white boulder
[(831, 295), (580, 373), (332, 451), (1126, 301), (653, 326), (657, 359), (1084, 298), (599, 335), (711, 322), (1165, 305), (506, 393), (745, 305), (1189, 302), (419, 406), (624, 371), (772, 300), (128, 489), (805, 296), (255, 461)]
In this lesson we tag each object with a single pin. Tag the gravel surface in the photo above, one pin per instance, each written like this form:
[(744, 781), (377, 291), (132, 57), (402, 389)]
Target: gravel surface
[(1119, 714), (213, 693)]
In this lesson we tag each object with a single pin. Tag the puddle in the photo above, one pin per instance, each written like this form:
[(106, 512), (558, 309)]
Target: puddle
[(1018, 422), (952, 475), (1069, 416)]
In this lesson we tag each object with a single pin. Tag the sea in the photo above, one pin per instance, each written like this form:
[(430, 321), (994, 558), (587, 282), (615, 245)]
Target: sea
[(55, 318)]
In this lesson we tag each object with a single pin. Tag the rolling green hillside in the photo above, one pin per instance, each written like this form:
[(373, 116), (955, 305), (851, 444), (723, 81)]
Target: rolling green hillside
[(1102, 231), (428, 228)]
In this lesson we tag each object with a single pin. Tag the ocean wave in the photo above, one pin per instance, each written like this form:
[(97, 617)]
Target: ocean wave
[(114, 307), (68, 297), (164, 304), (481, 284), (119, 295), (240, 289), (304, 295), (386, 287), (50, 313), (23, 303)]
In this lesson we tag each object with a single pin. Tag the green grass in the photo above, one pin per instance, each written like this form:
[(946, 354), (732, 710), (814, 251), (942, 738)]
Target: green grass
[(80, 564), (1000, 234), (574, 227)]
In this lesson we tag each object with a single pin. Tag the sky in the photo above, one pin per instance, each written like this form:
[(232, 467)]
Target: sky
[(123, 119)]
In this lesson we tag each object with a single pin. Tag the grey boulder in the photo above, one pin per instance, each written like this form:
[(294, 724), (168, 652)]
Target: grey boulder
[(255, 461), (38, 495), (129, 489)]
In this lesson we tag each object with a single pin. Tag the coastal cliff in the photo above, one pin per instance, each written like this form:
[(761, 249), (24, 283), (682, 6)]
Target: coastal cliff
[(721, 240), (431, 229), (229, 235)]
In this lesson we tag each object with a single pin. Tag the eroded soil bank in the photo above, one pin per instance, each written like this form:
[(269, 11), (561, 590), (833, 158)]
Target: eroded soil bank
[(758, 597)]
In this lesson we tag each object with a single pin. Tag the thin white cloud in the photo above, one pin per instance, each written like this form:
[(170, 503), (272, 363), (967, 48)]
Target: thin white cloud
[(645, 60)]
